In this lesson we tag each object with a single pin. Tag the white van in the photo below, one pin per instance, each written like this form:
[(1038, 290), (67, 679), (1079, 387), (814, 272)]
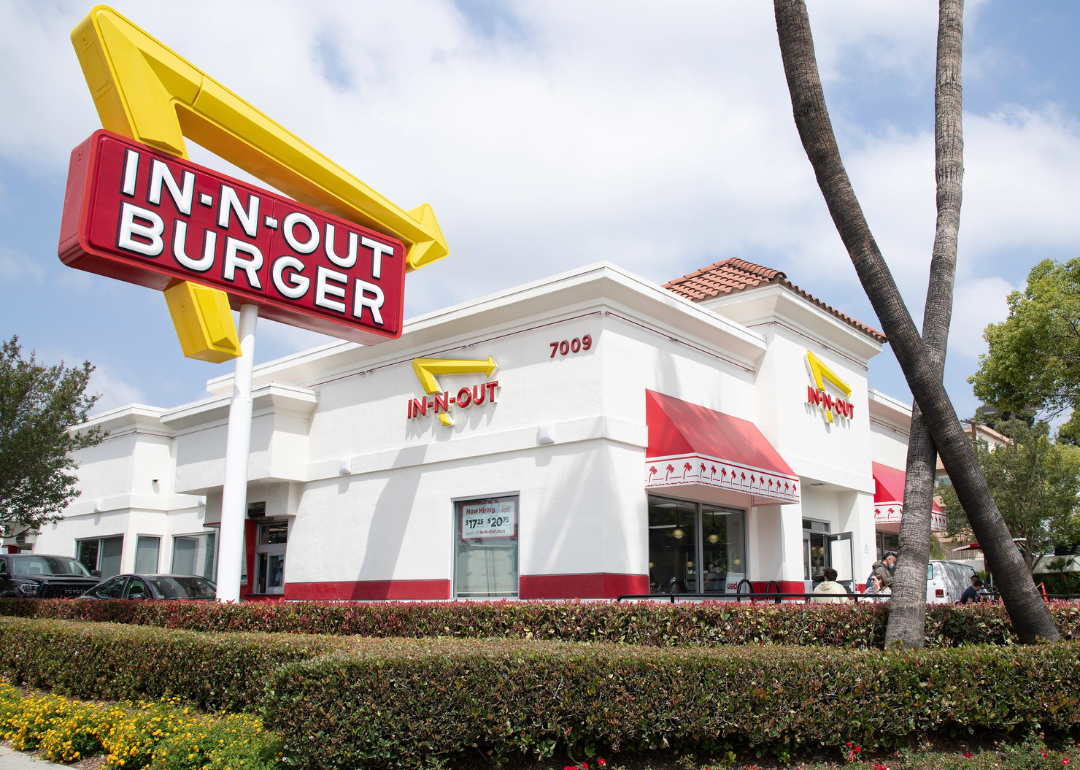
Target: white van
[(946, 581)]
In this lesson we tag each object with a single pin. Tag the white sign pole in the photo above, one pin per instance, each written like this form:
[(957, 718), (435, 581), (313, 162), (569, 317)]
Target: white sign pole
[(234, 493)]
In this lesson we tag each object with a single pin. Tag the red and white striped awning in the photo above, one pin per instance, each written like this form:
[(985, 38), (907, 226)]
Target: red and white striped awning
[(690, 444), (889, 498)]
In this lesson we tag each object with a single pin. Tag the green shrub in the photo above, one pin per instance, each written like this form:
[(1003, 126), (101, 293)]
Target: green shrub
[(116, 662), (361, 702), (414, 703), (858, 626)]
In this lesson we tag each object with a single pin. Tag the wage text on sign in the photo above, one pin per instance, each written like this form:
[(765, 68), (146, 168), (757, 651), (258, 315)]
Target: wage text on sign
[(488, 520)]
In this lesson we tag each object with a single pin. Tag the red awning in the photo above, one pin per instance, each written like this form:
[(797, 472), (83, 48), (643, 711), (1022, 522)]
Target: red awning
[(889, 498), (689, 444)]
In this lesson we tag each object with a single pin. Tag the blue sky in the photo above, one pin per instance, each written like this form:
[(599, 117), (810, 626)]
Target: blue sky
[(551, 135)]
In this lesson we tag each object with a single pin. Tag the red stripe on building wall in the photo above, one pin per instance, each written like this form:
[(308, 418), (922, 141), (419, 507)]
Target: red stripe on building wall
[(786, 586), (368, 590), (595, 585)]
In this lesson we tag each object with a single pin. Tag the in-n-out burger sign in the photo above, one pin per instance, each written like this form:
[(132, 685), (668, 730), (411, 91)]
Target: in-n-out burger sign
[(816, 394), (439, 401), (149, 218)]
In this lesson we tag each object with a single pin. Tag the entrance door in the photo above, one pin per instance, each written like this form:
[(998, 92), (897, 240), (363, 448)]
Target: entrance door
[(270, 557), (842, 558)]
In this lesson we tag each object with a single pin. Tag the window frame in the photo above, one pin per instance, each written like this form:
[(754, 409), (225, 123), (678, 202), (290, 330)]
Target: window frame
[(100, 540), (699, 531), (457, 540)]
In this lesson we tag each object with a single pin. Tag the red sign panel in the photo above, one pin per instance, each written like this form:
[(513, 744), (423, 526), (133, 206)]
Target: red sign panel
[(149, 218)]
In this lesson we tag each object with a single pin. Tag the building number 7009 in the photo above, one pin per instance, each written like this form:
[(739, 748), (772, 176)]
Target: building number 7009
[(571, 346)]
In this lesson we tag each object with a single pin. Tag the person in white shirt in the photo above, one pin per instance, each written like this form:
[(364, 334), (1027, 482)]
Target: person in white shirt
[(831, 590)]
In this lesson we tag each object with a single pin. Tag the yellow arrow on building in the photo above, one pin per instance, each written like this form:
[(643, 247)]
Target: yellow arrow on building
[(427, 369), (149, 93), (823, 373)]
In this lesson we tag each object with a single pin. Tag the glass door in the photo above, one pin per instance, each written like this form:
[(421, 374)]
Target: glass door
[(270, 557)]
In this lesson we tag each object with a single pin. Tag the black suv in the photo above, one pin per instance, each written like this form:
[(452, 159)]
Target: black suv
[(36, 576)]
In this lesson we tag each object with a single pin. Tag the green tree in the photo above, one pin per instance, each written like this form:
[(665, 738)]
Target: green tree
[(1034, 355), (38, 406), (1036, 485)]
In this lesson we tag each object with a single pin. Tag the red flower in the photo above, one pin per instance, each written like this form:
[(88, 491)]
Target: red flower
[(857, 749), (585, 765), (967, 755), (848, 744)]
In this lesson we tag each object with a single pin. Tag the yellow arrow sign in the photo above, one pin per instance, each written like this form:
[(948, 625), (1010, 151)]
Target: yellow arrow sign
[(149, 93), (823, 373), (427, 369)]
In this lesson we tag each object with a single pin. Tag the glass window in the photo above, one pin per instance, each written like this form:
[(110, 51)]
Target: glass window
[(46, 565), (274, 533), (102, 554), (110, 589), (195, 555), (88, 553), (486, 554), (673, 559), (270, 548), (137, 589), (722, 549), (887, 541), (146, 555), (184, 587)]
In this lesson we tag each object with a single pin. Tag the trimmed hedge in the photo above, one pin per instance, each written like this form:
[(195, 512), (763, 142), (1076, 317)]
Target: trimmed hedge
[(852, 625), (418, 702), (408, 703), (118, 662)]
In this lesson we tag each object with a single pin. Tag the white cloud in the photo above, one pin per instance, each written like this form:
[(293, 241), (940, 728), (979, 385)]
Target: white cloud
[(976, 304), (559, 133), (117, 388), (17, 265)]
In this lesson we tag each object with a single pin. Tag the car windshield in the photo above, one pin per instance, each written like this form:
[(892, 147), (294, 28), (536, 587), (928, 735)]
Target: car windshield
[(183, 587), (32, 566)]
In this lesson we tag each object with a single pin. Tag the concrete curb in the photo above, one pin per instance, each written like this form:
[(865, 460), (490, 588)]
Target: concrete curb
[(16, 760)]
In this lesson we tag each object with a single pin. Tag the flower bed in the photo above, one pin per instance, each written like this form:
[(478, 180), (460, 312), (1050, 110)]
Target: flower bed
[(157, 736), (858, 626)]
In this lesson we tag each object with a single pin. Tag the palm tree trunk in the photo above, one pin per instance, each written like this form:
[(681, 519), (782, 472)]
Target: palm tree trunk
[(1030, 616), (907, 610)]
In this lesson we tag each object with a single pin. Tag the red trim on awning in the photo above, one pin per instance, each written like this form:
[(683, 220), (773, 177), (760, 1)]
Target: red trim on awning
[(889, 498), (690, 444)]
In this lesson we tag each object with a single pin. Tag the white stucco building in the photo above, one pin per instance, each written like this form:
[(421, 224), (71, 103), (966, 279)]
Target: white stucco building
[(632, 437)]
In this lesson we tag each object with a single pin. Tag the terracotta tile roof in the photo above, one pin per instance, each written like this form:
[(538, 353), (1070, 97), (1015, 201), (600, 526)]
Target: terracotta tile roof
[(730, 276)]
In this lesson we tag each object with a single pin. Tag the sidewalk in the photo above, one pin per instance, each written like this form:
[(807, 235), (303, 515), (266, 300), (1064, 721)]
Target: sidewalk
[(15, 760)]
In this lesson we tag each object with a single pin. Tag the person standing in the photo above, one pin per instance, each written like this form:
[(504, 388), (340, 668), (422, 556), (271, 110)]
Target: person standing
[(828, 591), (973, 594), (880, 588)]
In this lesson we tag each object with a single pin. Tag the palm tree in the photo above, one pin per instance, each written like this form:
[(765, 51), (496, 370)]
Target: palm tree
[(1030, 616)]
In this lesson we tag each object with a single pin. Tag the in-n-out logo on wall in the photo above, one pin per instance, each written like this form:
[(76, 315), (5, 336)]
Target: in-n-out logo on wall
[(438, 401), (818, 396)]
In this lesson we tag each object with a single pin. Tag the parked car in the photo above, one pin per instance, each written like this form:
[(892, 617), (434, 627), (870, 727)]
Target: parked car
[(130, 586), (39, 576), (946, 581)]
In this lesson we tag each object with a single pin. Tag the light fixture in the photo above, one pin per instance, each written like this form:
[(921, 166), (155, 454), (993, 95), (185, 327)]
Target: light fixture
[(737, 562), (689, 565), (678, 533), (650, 565), (714, 538)]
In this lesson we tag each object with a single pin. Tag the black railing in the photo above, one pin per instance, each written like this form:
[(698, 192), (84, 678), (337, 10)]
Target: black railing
[(768, 596)]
